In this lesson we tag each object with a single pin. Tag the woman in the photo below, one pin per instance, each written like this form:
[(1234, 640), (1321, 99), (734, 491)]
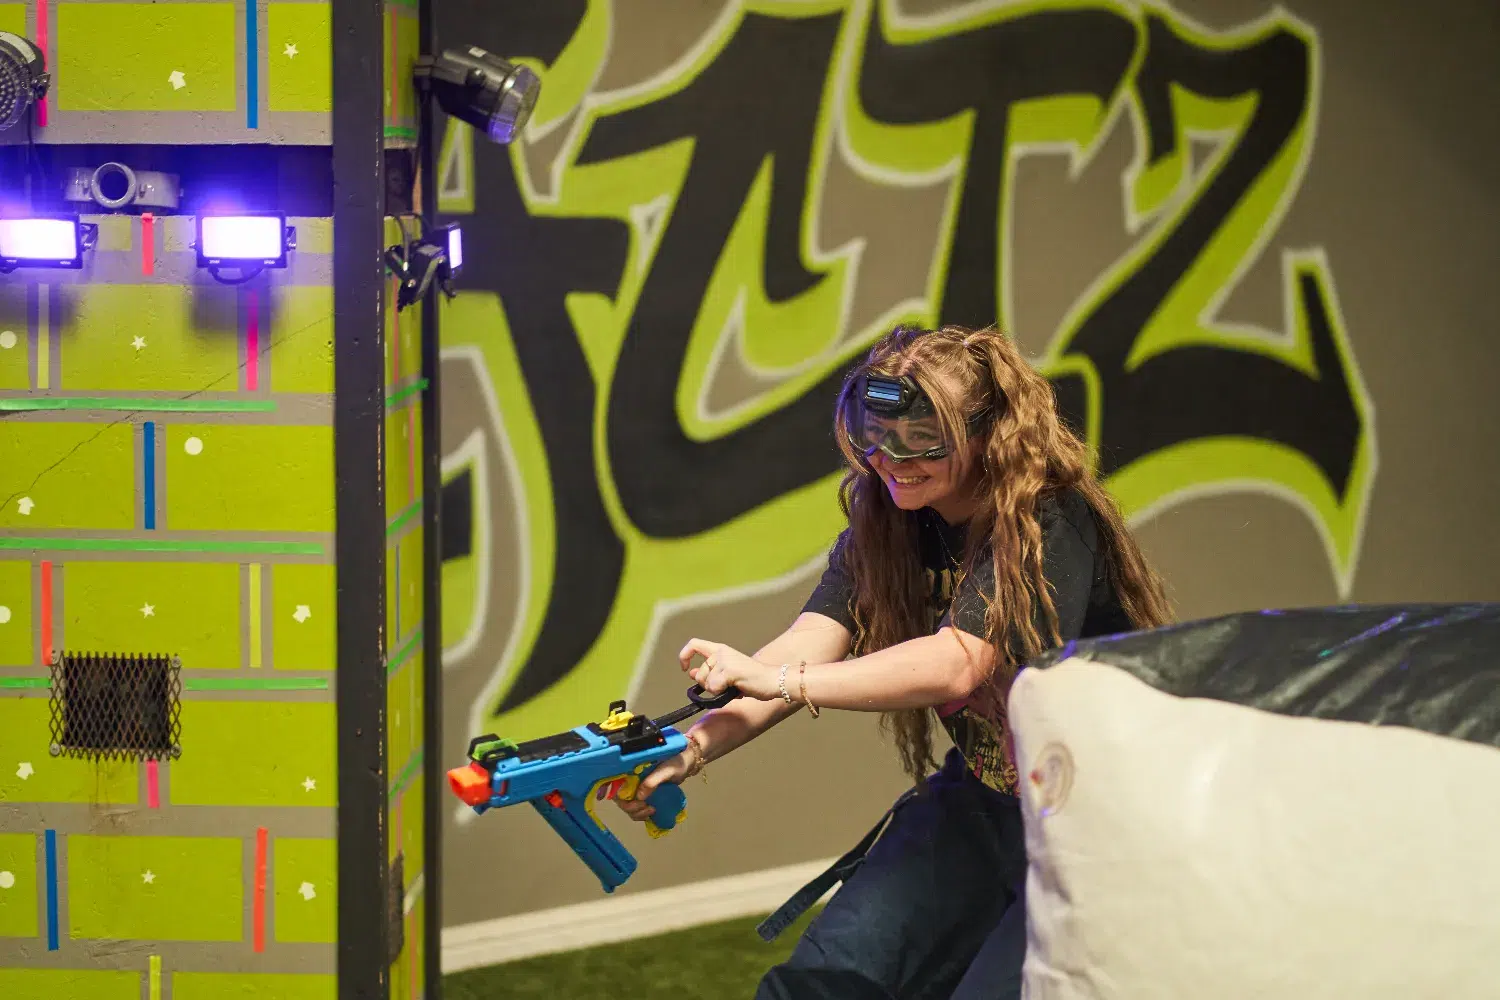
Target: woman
[(977, 538)]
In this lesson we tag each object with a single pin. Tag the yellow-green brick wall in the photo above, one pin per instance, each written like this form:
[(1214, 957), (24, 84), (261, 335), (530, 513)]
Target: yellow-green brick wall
[(405, 596), (180, 501)]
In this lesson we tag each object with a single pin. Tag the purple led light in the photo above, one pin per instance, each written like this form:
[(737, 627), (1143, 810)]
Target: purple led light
[(39, 240), (242, 237)]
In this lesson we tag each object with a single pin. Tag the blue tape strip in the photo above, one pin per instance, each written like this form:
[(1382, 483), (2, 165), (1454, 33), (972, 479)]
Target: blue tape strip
[(148, 467), (252, 64), (51, 838)]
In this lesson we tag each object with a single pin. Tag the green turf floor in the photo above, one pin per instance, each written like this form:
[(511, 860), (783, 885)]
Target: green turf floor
[(713, 962)]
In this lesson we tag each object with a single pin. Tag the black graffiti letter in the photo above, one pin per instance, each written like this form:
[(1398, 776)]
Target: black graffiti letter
[(1197, 392), (989, 69), (533, 263), (760, 98)]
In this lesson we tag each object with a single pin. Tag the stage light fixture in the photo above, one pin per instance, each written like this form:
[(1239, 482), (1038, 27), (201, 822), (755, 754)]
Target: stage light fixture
[(492, 94), (23, 78), (420, 263), (45, 241), (248, 241)]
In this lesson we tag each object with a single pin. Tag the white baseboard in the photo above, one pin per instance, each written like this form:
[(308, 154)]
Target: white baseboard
[(622, 918)]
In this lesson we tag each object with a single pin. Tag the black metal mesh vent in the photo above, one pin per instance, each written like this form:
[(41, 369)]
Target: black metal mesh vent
[(114, 705)]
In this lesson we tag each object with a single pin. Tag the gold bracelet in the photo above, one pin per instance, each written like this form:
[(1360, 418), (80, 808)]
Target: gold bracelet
[(700, 758), (802, 667)]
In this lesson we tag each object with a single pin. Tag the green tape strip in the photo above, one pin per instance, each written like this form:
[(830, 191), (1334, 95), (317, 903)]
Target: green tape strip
[(397, 398), (25, 682), (404, 653), (268, 683), (408, 774), (160, 545), (403, 518), (144, 405)]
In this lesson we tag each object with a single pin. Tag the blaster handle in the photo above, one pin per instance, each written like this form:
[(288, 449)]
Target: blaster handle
[(670, 804)]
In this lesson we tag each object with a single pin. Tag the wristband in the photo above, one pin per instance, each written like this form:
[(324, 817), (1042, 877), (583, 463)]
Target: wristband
[(784, 695)]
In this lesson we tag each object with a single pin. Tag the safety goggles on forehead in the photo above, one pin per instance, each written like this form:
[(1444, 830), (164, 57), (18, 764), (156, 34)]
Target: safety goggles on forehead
[(895, 416)]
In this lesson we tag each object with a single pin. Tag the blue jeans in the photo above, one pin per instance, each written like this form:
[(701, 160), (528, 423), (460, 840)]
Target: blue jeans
[(936, 910)]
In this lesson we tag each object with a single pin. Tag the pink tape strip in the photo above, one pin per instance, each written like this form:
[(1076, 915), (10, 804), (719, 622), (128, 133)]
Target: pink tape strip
[(153, 786), (252, 340), (148, 243), (41, 42)]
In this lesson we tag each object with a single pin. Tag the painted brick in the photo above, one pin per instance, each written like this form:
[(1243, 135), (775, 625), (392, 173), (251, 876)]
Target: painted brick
[(13, 18), (302, 316), (74, 984), (15, 345), (308, 643), (190, 609), (306, 889), (89, 479), (25, 733), (156, 888), (16, 646), (19, 916), (121, 56), (262, 478), (293, 741), (397, 479), (247, 986), (182, 349), (304, 81), (411, 594)]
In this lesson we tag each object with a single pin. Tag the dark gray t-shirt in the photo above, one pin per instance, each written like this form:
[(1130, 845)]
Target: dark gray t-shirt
[(1081, 592)]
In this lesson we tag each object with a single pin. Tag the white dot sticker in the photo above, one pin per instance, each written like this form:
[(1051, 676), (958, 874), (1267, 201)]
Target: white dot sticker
[(7, 880), (193, 446), (7, 339), (4, 614)]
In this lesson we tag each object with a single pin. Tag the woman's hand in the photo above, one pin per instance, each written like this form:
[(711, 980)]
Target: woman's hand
[(724, 667), (670, 771)]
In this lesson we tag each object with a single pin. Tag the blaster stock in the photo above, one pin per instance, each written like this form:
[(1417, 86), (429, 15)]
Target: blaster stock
[(562, 776)]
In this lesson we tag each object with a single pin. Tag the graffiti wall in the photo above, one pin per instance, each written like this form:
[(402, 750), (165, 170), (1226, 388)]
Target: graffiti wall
[(718, 205)]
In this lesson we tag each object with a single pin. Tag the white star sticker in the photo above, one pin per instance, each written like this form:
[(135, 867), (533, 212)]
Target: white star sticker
[(24, 771), (306, 890), (302, 614), (138, 343), (148, 610), (148, 877), (25, 504), (308, 784), (177, 80), (289, 49)]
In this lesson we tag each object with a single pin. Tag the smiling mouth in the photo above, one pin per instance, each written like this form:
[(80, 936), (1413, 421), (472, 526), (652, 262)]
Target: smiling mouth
[(909, 480)]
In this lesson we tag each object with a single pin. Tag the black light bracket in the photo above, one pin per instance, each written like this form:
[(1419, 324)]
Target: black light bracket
[(419, 263)]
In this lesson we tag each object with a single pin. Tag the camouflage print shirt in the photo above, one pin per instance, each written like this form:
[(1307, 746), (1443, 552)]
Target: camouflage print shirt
[(1085, 601)]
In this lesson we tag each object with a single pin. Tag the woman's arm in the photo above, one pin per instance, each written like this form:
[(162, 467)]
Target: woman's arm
[(813, 638), (918, 673)]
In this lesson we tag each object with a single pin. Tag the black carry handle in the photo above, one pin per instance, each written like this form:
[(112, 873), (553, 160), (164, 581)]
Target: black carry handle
[(698, 701), (704, 701)]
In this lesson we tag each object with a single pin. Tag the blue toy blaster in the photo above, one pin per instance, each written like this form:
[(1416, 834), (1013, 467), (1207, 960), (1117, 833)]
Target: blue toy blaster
[(563, 776)]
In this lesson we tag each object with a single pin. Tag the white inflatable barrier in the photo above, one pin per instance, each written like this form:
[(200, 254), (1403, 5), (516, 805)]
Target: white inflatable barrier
[(1300, 806)]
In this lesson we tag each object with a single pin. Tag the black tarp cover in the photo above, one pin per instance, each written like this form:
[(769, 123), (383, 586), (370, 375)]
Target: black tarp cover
[(1431, 667)]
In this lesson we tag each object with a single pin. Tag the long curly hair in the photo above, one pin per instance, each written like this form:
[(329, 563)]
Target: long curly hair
[(1028, 453)]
